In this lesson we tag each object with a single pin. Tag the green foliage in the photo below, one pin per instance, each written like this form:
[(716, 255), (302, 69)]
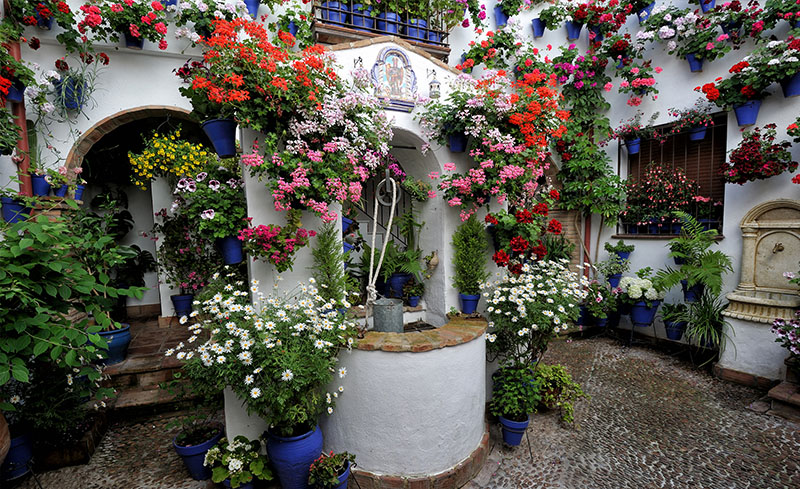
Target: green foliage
[(558, 390), (238, 461), (706, 322), (701, 265), (218, 199), (206, 397), (328, 270), (516, 392), (558, 247), (470, 245), (620, 247), (325, 471), (613, 265), (396, 261), (673, 313)]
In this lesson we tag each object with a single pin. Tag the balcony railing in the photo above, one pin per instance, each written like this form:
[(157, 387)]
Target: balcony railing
[(352, 22)]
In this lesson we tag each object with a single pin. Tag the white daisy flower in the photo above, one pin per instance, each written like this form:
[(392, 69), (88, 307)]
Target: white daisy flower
[(287, 375), (255, 392)]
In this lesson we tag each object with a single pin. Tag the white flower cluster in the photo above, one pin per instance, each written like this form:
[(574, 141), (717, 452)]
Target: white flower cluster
[(639, 289)]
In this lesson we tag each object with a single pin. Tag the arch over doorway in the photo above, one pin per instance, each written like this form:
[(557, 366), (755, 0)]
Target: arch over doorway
[(95, 133)]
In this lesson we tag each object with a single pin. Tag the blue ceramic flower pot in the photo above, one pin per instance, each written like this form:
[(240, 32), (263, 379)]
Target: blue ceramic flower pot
[(469, 303), (16, 92), (222, 133), (43, 23), (695, 63), (72, 96), (343, 478), (573, 30), (601, 322), (708, 224), (643, 316), (248, 485), (79, 192), (434, 36), (252, 7), (17, 462), (633, 145), (747, 113), (693, 293), (538, 27), (231, 248), (413, 301), (61, 191), (674, 330), (182, 304), (457, 142), (513, 431), (346, 222), (396, 283), (335, 12), (292, 28), (133, 42), (697, 133), (598, 35), (644, 14), (632, 228), (390, 24), (584, 318), (791, 86), (292, 456), (613, 280), (41, 187), (117, 341), (417, 29), (706, 5), (675, 227), (194, 455), (362, 20), (623, 255), (500, 18), (731, 28), (13, 210)]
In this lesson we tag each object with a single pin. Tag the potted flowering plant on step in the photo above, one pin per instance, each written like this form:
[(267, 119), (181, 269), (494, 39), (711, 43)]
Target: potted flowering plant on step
[(514, 398), (757, 157), (695, 120), (331, 470), (136, 20), (237, 464)]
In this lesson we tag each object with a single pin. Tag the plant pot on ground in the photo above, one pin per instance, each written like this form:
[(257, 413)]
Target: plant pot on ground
[(674, 316), (515, 395), (469, 263), (558, 390), (331, 470)]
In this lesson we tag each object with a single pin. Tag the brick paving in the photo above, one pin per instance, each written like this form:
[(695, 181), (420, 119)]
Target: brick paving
[(652, 422)]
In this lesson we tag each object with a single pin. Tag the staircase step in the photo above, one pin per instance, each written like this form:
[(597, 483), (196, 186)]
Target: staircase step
[(144, 371), (786, 392), (785, 410)]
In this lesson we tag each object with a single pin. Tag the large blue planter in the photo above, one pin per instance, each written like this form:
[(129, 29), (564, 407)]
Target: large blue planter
[(193, 456), (633, 145), (791, 86), (18, 459), (613, 280), (13, 210), (231, 248), (292, 28), (16, 92), (500, 18), (674, 330), (695, 63), (469, 303), (61, 191), (133, 42), (72, 96), (396, 283), (182, 304), (698, 133), (457, 142), (117, 341), (292, 457), (335, 12), (693, 293), (346, 222), (706, 5), (434, 36), (417, 30), (747, 113), (573, 30), (252, 7), (40, 185), (538, 27), (222, 133), (644, 14), (362, 20), (643, 316), (513, 431), (390, 24)]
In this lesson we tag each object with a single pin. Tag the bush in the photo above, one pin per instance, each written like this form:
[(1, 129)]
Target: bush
[(470, 245)]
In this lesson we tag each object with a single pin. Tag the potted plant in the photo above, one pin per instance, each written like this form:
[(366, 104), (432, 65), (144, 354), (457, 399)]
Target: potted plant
[(633, 131), (757, 157), (331, 470), (168, 155), (577, 15), (469, 263), (558, 390), (701, 268), (695, 120), (778, 61), (620, 49), (596, 304), (553, 16), (275, 244), (513, 338), (622, 250), (9, 132), (413, 291), (656, 194), (201, 15), (643, 293), (237, 463), (787, 333), (515, 395), (775, 10), (505, 9), (288, 386), (136, 20), (613, 268), (327, 269), (708, 212), (743, 89), (673, 316), (706, 324)]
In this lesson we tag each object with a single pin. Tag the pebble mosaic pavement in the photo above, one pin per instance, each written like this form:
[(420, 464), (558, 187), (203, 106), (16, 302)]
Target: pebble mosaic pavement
[(652, 422)]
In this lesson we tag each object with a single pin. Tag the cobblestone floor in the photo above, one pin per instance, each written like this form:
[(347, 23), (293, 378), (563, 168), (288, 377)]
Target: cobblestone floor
[(652, 422)]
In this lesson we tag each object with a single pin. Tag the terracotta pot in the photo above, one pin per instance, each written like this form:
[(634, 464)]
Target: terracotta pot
[(5, 438)]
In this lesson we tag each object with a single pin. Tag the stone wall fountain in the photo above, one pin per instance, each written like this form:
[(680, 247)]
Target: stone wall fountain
[(770, 247)]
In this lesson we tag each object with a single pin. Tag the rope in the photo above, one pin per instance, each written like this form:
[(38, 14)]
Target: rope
[(372, 293)]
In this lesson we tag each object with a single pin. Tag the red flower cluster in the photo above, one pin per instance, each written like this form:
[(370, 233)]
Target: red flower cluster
[(540, 209), (539, 250), (554, 194), (554, 226), (757, 157), (518, 244), (710, 90), (738, 67), (524, 216), (501, 258), (490, 219)]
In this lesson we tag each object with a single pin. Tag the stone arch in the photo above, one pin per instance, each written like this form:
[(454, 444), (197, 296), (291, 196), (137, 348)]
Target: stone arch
[(95, 133), (764, 209)]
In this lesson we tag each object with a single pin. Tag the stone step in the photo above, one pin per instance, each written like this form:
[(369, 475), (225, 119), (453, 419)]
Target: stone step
[(787, 393), (785, 410), (145, 371)]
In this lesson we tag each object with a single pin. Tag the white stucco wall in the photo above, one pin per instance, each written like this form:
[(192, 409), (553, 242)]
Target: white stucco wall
[(410, 413)]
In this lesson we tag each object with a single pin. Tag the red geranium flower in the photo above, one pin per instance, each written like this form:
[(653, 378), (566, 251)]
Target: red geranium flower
[(524, 216), (519, 244), (540, 209), (554, 226), (554, 194), (501, 258), (490, 219)]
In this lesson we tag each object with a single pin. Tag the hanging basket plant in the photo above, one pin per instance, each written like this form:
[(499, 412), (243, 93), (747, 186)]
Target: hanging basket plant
[(757, 157)]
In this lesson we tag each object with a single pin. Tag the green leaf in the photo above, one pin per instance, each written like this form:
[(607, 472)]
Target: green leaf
[(25, 242), (20, 372), (65, 292), (39, 348)]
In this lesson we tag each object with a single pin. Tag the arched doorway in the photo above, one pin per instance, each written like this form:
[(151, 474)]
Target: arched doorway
[(102, 153)]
